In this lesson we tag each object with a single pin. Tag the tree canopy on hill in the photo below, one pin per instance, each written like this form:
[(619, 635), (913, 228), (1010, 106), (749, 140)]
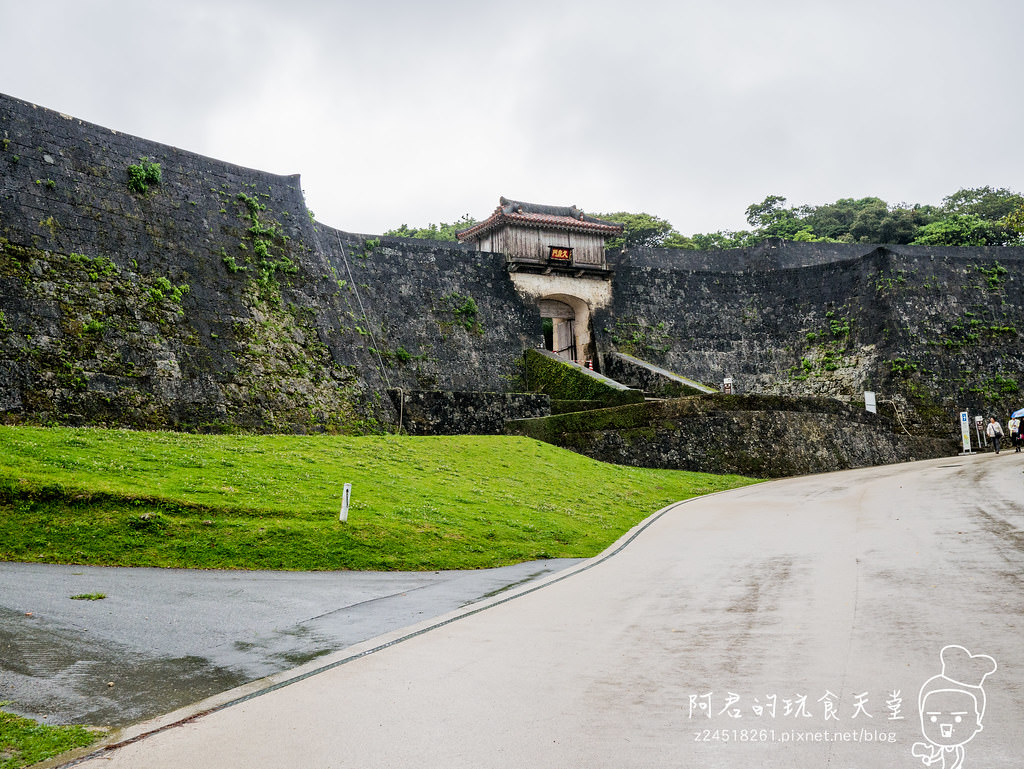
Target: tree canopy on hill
[(644, 231), (969, 217), (442, 231), (972, 216)]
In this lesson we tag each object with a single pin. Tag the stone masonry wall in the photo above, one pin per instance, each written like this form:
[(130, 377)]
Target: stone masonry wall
[(650, 379), (465, 413), (441, 315), (755, 435), (212, 301), (933, 330)]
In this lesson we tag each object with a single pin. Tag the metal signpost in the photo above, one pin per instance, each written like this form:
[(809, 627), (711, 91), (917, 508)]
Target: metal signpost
[(965, 433)]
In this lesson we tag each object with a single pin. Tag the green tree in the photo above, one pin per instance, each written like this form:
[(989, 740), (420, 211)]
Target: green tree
[(987, 203), (644, 231), (712, 241), (806, 235), (771, 219), (442, 231), (837, 221), (675, 240), (1013, 223), (902, 223), (867, 224), (958, 230), (849, 220), (768, 213), (833, 220), (970, 216)]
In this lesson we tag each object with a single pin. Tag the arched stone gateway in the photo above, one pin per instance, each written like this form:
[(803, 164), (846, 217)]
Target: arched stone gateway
[(559, 320), (570, 334), (555, 258)]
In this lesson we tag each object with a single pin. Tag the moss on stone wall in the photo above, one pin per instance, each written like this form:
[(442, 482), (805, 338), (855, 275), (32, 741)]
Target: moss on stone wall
[(762, 436), (95, 343), (564, 381), (800, 321)]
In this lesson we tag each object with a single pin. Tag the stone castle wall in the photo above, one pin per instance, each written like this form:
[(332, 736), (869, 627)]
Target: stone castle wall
[(935, 329), (214, 301), (757, 435)]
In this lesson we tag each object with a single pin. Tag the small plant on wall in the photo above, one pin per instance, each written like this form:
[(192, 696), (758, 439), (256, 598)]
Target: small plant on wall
[(142, 175), (465, 311), (637, 337)]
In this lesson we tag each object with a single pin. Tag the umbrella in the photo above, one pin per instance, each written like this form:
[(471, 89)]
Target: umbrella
[(1017, 414)]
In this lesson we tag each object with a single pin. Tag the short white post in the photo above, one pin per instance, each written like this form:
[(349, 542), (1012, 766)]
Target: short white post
[(346, 496)]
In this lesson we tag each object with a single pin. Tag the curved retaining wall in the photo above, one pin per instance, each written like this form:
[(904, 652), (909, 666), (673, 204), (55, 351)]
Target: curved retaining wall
[(759, 436)]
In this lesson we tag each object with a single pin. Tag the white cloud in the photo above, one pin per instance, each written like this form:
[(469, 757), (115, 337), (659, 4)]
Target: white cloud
[(420, 112)]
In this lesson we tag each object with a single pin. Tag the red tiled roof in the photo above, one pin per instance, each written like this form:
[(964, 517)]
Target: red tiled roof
[(521, 214)]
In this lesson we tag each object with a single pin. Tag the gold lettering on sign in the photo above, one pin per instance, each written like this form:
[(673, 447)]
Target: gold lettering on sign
[(561, 254)]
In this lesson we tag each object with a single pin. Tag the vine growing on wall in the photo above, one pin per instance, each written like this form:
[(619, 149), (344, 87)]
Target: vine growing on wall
[(465, 311), (638, 338), (827, 348), (267, 244), (994, 275)]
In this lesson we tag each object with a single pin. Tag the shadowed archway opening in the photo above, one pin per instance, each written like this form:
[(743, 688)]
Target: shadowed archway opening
[(566, 331)]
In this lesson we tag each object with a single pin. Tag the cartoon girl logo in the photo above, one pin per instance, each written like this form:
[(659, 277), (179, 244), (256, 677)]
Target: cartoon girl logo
[(952, 705)]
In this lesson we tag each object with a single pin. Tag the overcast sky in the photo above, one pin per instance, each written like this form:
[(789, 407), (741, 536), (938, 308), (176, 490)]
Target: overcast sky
[(419, 111)]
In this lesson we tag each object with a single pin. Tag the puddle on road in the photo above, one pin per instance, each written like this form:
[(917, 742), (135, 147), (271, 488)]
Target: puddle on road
[(54, 670), (528, 578), (60, 677), (294, 659)]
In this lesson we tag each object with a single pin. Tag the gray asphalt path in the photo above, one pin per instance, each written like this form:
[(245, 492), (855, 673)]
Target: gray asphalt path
[(790, 624), (169, 637)]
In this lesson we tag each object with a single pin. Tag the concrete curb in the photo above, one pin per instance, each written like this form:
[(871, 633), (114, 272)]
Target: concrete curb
[(236, 696)]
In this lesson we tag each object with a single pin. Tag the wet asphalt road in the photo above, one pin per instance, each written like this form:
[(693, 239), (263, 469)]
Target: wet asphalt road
[(166, 638), (786, 625)]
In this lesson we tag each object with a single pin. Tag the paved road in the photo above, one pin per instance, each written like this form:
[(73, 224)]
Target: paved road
[(169, 637), (806, 613)]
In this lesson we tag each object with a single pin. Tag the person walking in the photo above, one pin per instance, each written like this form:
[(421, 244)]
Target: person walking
[(994, 431), (1014, 431)]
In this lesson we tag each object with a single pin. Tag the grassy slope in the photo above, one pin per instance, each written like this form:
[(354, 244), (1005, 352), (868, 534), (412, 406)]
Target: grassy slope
[(24, 742), (169, 499)]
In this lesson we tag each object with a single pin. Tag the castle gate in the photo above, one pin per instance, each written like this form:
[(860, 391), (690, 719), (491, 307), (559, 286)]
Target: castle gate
[(555, 256)]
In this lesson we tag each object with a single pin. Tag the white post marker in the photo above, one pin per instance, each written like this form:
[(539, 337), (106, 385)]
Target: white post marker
[(346, 496), (869, 402), (965, 432)]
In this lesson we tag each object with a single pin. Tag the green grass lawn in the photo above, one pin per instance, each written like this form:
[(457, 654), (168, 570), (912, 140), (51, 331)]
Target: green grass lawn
[(127, 498), (24, 741)]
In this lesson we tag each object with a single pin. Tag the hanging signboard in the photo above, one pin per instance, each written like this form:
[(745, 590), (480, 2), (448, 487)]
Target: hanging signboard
[(561, 254)]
